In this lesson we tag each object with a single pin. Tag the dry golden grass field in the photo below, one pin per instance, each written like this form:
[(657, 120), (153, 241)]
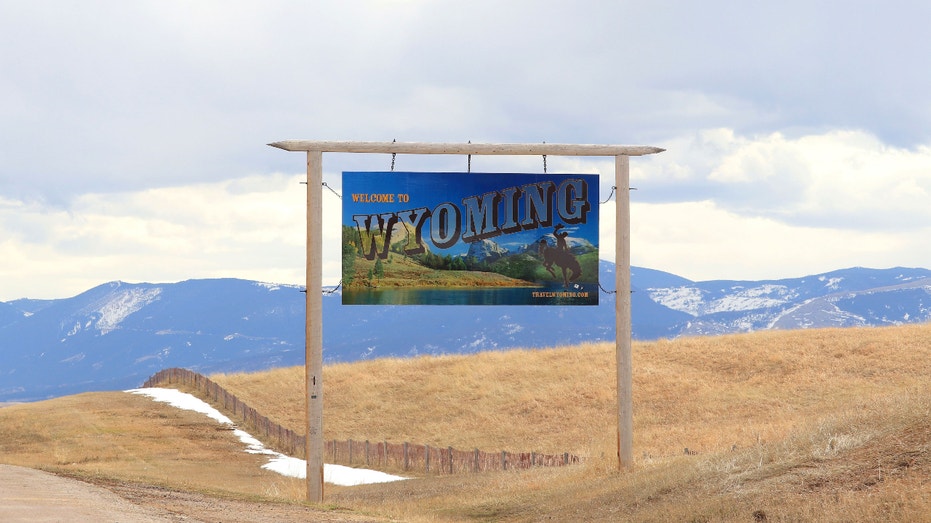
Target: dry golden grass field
[(818, 425)]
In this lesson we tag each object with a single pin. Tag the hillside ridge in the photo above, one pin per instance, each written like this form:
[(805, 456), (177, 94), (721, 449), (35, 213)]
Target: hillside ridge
[(114, 336)]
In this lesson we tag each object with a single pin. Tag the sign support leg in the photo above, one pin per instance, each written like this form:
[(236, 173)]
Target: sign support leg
[(313, 328), (625, 420)]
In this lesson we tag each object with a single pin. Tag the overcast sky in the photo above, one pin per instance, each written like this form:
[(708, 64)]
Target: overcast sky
[(133, 135)]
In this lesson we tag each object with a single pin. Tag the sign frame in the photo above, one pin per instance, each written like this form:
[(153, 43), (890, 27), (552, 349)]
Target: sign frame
[(314, 275)]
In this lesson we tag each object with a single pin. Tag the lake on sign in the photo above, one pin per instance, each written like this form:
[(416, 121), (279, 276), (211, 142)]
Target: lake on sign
[(552, 294)]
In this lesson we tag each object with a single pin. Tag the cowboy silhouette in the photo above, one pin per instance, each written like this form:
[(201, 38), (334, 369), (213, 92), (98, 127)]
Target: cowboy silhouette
[(560, 238), (560, 257)]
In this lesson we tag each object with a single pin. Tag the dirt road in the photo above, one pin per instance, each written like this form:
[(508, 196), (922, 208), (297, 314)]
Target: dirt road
[(28, 495)]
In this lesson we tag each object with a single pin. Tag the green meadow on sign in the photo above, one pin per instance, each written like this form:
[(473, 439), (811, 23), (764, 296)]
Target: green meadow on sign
[(432, 238)]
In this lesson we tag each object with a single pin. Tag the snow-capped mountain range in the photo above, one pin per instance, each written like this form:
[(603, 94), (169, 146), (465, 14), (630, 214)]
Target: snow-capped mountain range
[(486, 250), (116, 335), (489, 251), (847, 298)]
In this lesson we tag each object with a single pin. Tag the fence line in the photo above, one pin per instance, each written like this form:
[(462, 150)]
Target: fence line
[(382, 454)]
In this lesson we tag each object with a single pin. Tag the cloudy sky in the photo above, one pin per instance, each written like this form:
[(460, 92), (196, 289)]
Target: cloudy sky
[(133, 134)]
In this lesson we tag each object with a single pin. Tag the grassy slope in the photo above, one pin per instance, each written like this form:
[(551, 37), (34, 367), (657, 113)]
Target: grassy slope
[(826, 425), (127, 436), (402, 271)]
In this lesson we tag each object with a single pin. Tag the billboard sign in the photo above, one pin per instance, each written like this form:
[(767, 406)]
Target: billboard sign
[(439, 238)]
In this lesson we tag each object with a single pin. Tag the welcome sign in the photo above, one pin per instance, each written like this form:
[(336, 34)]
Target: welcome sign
[(439, 238)]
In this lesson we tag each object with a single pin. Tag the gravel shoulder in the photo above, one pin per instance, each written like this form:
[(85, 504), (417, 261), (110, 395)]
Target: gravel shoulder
[(29, 495)]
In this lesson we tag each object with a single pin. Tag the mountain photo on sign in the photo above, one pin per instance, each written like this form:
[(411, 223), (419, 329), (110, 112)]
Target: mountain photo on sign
[(437, 238)]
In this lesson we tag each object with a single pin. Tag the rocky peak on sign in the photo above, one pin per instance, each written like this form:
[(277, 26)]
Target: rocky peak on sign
[(486, 251)]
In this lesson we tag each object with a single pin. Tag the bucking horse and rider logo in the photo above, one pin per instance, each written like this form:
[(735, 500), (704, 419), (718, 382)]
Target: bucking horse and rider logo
[(560, 256)]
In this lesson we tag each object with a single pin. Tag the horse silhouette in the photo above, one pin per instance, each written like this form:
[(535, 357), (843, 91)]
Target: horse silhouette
[(563, 259)]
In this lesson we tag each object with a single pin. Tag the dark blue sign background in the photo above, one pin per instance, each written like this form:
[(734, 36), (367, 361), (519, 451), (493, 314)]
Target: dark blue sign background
[(513, 238)]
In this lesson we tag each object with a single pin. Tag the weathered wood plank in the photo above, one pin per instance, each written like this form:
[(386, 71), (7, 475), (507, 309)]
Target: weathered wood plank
[(313, 329), (624, 329), (531, 149)]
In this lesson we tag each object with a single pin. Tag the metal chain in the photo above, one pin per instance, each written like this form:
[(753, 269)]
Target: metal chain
[(327, 291), (333, 290), (332, 191), (544, 160), (393, 155), (469, 165), (613, 188)]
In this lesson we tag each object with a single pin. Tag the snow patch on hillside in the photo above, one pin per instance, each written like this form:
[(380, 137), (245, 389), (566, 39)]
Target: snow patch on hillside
[(831, 283), (685, 299), (275, 286), (74, 359), (122, 305), (74, 330), (694, 301), (512, 328), (750, 299)]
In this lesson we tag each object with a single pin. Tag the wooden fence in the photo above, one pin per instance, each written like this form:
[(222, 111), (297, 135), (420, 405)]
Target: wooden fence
[(382, 454), (273, 435)]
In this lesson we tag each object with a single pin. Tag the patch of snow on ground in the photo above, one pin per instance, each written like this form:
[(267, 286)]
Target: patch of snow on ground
[(75, 329), (117, 309), (280, 463), (750, 299), (73, 359), (477, 343), (271, 287), (512, 328), (685, 299), (691, 300)]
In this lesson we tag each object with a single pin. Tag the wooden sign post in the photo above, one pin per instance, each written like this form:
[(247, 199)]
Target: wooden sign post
[(314, 321)]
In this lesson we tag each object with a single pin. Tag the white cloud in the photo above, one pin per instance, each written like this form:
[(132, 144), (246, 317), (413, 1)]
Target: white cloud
[(715, 205), (251, 228), (700, 241), (844, 179), (134, 131)]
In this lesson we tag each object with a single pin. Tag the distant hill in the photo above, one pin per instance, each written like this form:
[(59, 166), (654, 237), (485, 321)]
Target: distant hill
[(117, 334), (846, 298)]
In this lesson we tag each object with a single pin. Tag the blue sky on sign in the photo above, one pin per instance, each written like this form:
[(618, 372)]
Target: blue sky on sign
[(798, 134), (429, 190)]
